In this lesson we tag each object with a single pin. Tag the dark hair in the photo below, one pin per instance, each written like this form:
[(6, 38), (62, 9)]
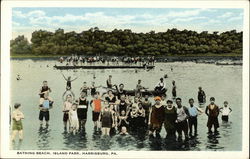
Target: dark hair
[(191, 99), (178, 99), (97, 93), (161, 78), (45, 81), (170, 101), (121, 84), (164, 95), (212, 98), (17, 105), (110, 91)]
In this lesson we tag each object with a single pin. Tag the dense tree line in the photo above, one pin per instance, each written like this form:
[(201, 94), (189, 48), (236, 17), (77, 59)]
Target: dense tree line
[(126, 42)]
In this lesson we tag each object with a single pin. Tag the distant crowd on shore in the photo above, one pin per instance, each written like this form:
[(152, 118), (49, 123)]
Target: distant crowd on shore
[(79, 60), (116, 112)]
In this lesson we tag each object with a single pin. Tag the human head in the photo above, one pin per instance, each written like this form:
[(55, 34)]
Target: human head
[(110, 76), (84, 83), (191, 101), (123, 112), (157, 100), (178, 101), (45, 83), (124, 130), (173, 82), (123, 97), (212, 100), (69, 77), (161, 79), (139, 105), (136, 99), (146, 97), (121, 86), (69, 97), (163, 97), (134, 107), (83, 94), (225, 103), (74, 106), (96, 95), (200, 88), (169, 103), (139, 81), (17, 105), (110, 92)]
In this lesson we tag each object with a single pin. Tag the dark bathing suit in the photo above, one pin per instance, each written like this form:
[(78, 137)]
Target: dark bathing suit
[(106, 119), (82, 109), (43, 90), (68, 85)]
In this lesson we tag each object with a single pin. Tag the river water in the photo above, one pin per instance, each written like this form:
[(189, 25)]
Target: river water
[(222, 82)]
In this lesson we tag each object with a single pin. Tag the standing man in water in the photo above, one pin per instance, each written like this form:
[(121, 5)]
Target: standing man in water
[(181, 121), (192, 120), (212, 111), (201, 96), (173, 90), (109, 83)]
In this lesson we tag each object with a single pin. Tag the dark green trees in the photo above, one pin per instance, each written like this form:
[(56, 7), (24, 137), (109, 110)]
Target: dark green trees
[(127, 43)]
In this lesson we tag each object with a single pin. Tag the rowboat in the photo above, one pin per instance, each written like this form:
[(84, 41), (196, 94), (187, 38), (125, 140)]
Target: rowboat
[(143, 92)]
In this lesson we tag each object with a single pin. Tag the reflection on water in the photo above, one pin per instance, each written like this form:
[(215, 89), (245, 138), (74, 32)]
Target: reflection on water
[(43, 138), (188, 77)]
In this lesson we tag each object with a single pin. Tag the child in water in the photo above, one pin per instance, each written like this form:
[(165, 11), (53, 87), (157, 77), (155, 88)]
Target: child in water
[(17, 126), (225, 112), (44, 109), (67, 106), (73, 119)]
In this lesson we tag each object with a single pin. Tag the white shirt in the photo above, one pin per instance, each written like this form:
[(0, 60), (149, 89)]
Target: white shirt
[(225, 111)]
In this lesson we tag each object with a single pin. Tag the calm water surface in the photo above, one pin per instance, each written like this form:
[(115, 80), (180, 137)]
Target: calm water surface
[(222, 82)]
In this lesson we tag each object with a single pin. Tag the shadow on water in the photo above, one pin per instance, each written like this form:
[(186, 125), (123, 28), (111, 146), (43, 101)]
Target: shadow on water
[(43, 138), (213, 141), (75, 142), (16, 145)]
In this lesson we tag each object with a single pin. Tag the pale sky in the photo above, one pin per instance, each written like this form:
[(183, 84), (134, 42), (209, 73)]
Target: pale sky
[(26, 20)]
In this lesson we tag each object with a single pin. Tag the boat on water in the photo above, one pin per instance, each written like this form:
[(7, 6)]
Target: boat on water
[(104, 67), (220, 63), (143, 92)]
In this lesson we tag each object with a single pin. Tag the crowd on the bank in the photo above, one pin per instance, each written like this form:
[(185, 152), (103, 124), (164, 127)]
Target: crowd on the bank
[(117, 112), (78, 60)]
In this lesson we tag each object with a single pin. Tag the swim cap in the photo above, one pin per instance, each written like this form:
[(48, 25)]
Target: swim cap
[(157, 98)]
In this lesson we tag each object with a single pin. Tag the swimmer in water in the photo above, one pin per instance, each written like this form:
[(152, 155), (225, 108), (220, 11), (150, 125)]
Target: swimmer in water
[(18, 77)]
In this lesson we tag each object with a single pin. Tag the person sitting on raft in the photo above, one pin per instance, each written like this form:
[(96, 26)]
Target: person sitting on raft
[(160, 87)]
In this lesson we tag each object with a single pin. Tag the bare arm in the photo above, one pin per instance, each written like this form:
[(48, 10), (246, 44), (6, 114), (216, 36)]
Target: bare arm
[(74, 79)]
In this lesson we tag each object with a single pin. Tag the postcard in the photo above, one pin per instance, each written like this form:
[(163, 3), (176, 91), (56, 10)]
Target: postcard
[(125, 79)]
